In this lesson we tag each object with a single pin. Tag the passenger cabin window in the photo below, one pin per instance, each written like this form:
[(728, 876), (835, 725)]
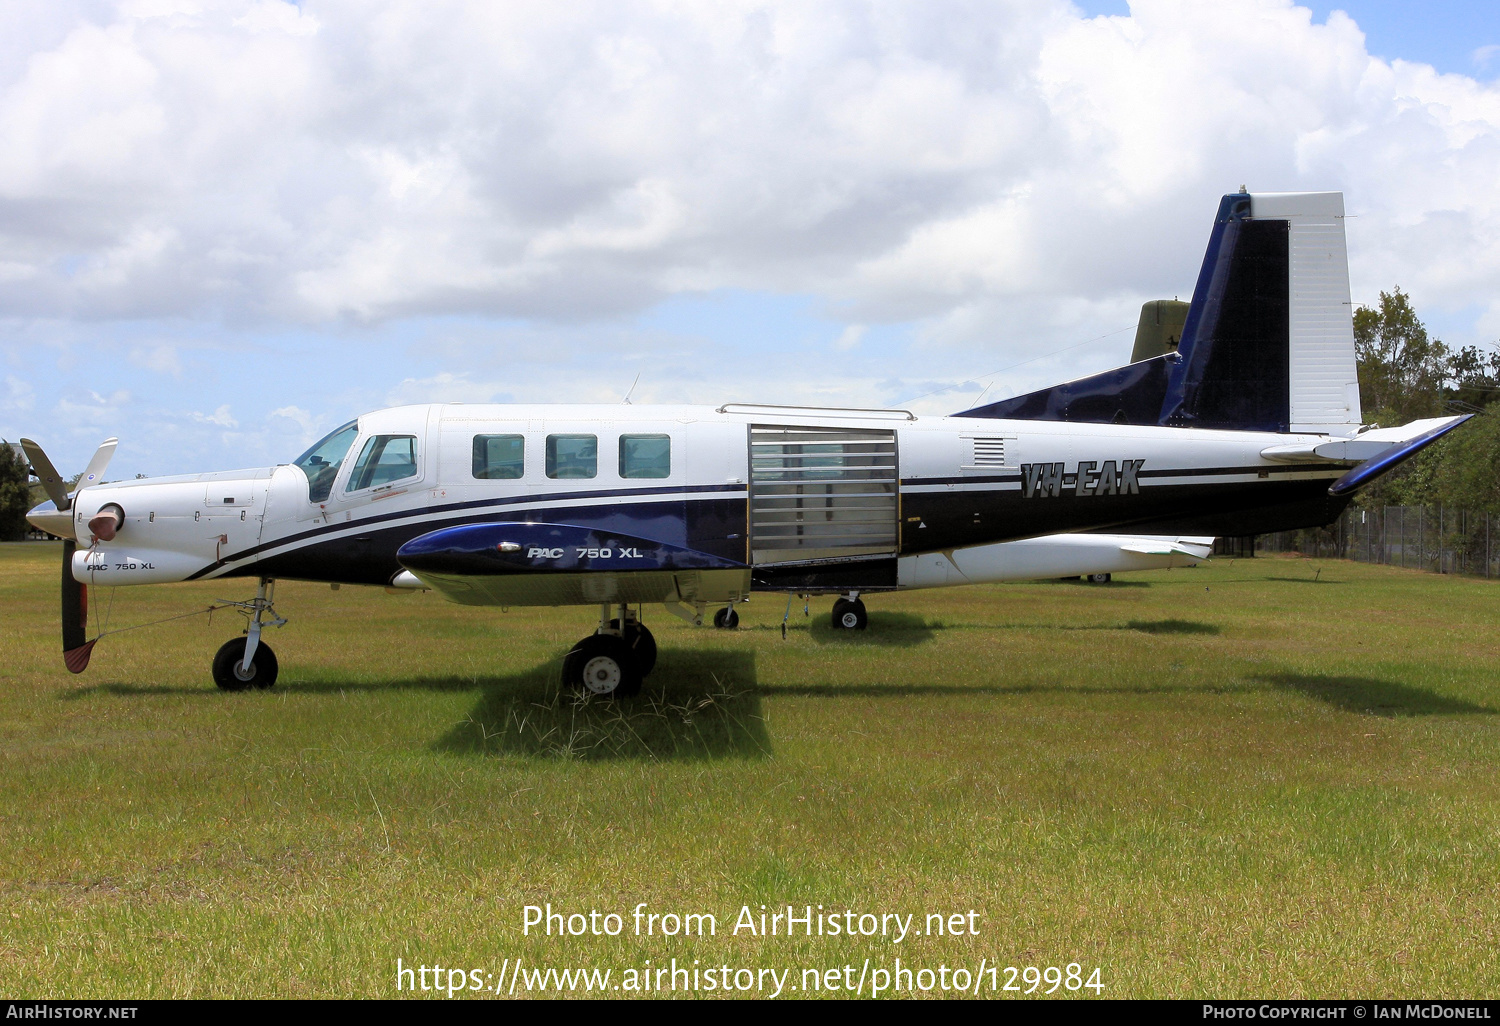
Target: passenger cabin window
[(645, 455), (499, 457), (572, 457), (321, 463), (384, 460)]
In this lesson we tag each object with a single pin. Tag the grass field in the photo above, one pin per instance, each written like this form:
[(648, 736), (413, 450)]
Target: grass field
[(1269, 777)]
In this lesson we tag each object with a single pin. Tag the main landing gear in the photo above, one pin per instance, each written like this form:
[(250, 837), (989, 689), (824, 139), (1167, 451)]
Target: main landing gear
[(614, 660), (246, 662), (849, 613)]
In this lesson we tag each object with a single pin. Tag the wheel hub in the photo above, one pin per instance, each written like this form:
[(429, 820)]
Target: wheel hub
[(240, 673), (601, 675), (850, 620)]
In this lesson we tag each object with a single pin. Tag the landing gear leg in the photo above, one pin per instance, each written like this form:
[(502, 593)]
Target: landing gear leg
[(849, 613), (637, 637), (247, 662)]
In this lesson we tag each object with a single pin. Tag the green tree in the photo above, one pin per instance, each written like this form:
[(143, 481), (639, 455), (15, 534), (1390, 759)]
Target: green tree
[(1402, 372), (1476, 375), (15, 496), (1461, 471)]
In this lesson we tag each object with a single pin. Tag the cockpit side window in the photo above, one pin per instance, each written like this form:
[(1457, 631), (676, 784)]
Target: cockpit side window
[(384, 459), (321, 463)]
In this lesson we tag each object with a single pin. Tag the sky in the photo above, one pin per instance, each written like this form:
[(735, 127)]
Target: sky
[(228, 227)]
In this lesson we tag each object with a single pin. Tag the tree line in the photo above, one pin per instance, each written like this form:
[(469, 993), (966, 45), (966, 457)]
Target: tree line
[(1406, 374)]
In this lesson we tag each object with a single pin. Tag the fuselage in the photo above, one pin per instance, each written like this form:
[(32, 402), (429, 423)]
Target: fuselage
[(808, 500)]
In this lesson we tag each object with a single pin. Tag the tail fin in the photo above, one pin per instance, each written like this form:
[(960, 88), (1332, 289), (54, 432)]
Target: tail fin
[(1268, 343)]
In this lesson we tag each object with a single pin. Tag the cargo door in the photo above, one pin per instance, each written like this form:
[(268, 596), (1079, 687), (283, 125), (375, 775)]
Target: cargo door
[(819, 493)]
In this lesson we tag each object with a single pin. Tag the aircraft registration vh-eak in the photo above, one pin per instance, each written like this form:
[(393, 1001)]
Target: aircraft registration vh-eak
[(1252, 424)]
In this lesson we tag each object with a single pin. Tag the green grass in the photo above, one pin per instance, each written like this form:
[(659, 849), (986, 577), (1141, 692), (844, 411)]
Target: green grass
[(1270, 777)]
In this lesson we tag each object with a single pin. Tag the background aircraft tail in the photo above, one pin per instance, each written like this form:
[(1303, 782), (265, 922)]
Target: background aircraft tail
[(1267, 343)]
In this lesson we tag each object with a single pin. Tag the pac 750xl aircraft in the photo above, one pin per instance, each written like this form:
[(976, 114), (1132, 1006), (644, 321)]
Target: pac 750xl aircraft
[(1253, 424)]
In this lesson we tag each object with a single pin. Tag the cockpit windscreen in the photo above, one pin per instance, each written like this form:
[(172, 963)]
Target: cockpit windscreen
[(321, 462)]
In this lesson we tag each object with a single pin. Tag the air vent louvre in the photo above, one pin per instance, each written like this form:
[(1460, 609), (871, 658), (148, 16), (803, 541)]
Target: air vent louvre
[(985, 451)]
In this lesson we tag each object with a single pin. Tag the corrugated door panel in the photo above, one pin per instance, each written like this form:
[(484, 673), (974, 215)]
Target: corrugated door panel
[(821, 493)]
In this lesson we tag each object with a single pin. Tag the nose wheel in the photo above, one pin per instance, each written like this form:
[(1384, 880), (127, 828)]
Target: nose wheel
[(248, 662), (230, 672)]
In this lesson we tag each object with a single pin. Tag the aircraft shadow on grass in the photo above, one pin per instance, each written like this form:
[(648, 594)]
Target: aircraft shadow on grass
[(905, 630), (696, 705), (1172, 627), (1370, 696), (887, 630)]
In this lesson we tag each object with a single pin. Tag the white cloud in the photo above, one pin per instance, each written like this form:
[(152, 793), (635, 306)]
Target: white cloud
[(1004, 179), (220, 417), (447, 388), (849, 337), (160, 358), (335, 159), (19, 396)]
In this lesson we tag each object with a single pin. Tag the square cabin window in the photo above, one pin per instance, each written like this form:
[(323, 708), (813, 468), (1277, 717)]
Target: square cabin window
[(645, 455), (572, 457), (499, 457)]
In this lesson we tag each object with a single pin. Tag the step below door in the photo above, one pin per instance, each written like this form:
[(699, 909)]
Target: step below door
[(821, 493)]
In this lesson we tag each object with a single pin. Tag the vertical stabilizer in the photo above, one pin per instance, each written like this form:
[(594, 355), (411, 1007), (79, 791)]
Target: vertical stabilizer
[(1268, 340)]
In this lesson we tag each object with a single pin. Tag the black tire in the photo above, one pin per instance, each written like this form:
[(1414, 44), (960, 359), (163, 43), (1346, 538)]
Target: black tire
[(849, 616), (263, 667), (726, 619), (642, 642), (1098, 578), (604, 666)]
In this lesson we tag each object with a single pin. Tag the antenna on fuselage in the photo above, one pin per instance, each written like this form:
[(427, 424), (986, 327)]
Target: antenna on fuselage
[(637, 381)]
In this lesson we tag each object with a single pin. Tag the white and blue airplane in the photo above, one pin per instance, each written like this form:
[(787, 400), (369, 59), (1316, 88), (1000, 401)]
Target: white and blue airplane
[(1252, 425)]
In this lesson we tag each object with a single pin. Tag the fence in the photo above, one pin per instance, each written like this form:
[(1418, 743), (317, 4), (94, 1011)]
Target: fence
[(1433, 538)]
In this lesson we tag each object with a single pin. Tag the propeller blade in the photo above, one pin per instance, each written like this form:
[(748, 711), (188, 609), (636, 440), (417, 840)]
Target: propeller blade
[(52, 481), (75, 616), (94, 472)]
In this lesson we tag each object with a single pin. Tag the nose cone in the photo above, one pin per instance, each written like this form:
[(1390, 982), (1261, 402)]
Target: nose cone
[(47, 517)]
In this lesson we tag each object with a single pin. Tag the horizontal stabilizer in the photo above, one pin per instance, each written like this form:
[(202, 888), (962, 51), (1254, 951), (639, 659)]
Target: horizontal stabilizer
[(1198, 548), (1362, 447), (1371, 469)]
